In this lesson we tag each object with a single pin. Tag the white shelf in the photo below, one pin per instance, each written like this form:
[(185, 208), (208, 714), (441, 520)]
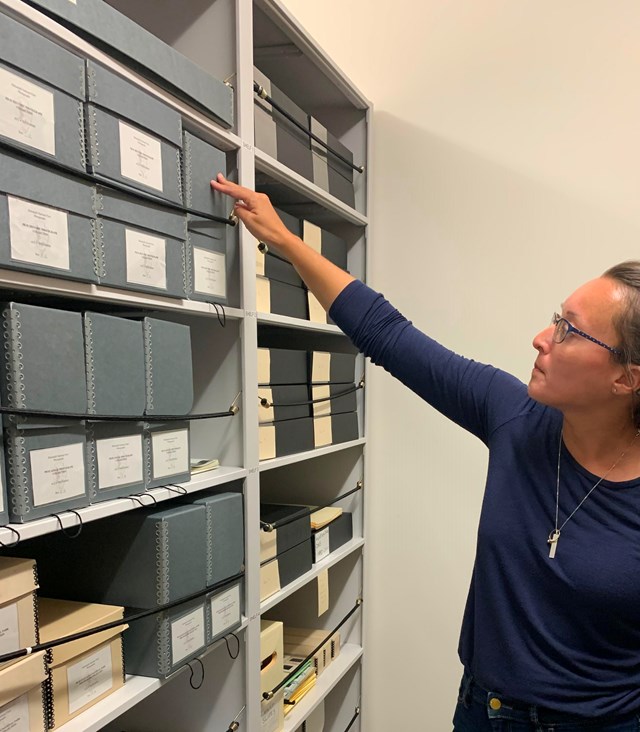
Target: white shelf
[(95, 511), (350, 654), (44, 284), (308, 455), (298, 323), (135, 689), (197, 121), (266, 164), (333, 558)]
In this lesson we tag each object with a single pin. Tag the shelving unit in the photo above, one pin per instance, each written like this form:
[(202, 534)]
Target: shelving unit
[(227, 38)]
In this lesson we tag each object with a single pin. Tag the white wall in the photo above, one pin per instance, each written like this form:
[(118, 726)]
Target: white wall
[(507, 171)]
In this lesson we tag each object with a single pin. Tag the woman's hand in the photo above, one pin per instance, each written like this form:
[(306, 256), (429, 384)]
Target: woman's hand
[(257, 214)]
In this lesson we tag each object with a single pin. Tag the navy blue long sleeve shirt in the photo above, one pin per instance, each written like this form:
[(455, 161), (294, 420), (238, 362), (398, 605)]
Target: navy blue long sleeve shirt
[(562, 633)]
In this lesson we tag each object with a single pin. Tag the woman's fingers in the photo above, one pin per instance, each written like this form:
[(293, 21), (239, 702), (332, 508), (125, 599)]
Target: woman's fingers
[(232, 189)]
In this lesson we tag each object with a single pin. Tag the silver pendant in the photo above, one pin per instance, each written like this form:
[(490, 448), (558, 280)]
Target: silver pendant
[(553, 543)]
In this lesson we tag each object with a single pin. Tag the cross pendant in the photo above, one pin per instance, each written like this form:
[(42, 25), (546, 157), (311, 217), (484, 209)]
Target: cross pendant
[(553, 543)]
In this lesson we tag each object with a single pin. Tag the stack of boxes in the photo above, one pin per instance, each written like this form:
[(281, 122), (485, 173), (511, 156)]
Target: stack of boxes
[(292, 380)]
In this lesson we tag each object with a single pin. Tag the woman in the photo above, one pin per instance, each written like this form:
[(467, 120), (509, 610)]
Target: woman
[(551, 632)]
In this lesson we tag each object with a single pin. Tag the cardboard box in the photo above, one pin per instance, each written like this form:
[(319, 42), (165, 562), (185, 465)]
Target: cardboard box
[(22, 694), (46, 220), (42, 88), (86, 670), (271, 674), (141, 245), (18, 612), (112, 31), (133, 138)]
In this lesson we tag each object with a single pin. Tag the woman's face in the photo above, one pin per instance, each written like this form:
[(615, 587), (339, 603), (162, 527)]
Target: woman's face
[(578, 373)]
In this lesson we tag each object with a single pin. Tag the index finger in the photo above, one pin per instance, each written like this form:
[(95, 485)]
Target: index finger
[(232, 189)]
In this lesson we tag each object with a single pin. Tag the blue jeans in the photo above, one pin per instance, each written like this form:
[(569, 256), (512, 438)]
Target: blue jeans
[(480, 710)]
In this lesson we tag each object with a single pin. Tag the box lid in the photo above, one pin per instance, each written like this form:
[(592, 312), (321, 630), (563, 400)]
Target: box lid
[(18, 577), (324, 516), (21, 676), (59, 618)]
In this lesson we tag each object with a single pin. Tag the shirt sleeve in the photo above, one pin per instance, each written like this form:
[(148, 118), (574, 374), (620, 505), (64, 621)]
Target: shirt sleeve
[(478, 397)]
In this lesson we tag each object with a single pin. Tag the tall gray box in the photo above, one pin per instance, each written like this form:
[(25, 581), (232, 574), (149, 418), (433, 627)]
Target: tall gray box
[(46, 467), (331, 173), (43, 364), (133, 138), (114, 365), (200, 163), (208, 262), (111, 30), (168, 367), (115, 460), (42, 89), (46, 220), (167, 453), (141, 245)]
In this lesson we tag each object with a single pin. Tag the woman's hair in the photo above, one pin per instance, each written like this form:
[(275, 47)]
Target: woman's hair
[(627, 321)]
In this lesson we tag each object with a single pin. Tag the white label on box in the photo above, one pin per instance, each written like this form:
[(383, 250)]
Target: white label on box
[(119, 461), (225, 610), (187, 635), (321, 539), (146, 259), (90, 678), (270, 714), (26, 112), (321, 369), (14, 716), (140, 157), (170, 453), (209, 272), (38, 234), (321, 409), (9, 629), (57, 473)]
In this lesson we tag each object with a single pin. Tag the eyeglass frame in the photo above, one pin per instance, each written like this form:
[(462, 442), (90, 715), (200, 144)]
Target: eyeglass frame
[(557, 319)]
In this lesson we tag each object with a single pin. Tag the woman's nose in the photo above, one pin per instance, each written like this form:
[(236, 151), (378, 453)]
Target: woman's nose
[(543, 340)]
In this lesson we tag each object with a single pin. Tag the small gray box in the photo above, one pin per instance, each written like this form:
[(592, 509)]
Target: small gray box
[(332, 368), (115, 460), (46, 221), (46, 467), (208, 261), (134, 138), (167, 453), (168, 367), (200, 163), (279, 298), (141, 245), (276, 135), (43, 364), (43, 89), (114, 365), (225, 535), (288, 401), (282, 366), (224, 609), (111, 30)]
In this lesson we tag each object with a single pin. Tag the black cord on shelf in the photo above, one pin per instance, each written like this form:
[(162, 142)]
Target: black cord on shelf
[(262, 93), (266, 403), (353, 719), (195, 687), (277, 524), (267, 695), (22, 652), (231, 412)]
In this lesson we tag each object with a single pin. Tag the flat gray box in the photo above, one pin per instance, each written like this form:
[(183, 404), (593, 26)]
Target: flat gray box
[(344, 427), (290, 401), (340, 531), (225, 535), (43, 364), (209, 262), (115, 459), (167, 453), (141, 245), (284, 299), (282, 366), (133, 138), (342, 398), (294, 435), (342, 367), (168, 367), (200, 163), (43, 85), (46, 466), (46, 220), (125, 39), (114, 365), (276, 135)]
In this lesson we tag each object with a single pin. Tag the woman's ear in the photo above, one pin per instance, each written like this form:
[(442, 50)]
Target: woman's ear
[(628, 382)]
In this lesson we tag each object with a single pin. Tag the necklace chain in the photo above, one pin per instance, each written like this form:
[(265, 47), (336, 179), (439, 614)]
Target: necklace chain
[(555, 534)]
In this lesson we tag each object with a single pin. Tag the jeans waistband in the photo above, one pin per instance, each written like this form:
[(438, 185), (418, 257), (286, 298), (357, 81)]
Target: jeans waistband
[(500, 706)]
